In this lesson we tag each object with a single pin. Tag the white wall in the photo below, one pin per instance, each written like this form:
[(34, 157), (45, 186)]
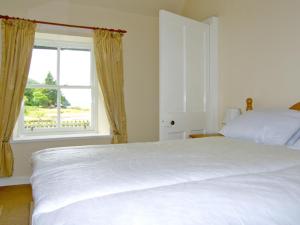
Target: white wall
[(259, 50), (140, 65)]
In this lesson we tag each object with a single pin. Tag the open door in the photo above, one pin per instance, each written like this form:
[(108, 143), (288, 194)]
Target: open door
[(184, 76)]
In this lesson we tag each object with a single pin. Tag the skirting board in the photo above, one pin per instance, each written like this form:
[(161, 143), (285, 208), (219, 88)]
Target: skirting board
[(14, 181)]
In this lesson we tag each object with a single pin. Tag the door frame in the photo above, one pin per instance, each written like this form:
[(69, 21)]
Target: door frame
[(213, 76)]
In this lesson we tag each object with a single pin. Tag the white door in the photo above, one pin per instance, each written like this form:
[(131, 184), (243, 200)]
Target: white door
[(184, 70)]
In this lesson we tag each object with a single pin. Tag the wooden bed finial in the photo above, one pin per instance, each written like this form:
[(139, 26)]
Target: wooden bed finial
[(249, 104), (296, 106)]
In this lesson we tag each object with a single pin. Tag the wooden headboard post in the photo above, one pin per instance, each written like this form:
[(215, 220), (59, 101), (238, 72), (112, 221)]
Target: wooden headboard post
[(249, 104), (296, 106)]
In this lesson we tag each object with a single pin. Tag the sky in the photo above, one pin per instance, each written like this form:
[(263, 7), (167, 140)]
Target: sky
[(74, 70)]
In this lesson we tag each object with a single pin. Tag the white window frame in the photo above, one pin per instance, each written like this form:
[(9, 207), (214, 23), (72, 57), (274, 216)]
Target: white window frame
[(22, 133)]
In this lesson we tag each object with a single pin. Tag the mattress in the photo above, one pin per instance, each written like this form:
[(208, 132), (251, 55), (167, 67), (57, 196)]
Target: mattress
[(183, 182)]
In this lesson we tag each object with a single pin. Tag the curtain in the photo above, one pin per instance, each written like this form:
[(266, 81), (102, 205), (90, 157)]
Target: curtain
[(109, 65), (17, 44)]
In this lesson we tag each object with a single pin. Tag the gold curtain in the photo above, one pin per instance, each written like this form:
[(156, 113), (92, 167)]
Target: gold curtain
[(109, 63), (17, 44)]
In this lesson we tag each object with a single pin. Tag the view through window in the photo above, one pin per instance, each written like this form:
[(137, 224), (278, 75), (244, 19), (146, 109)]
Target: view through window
[(59, 92)]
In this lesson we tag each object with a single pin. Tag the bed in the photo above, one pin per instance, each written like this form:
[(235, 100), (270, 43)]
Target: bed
[(211, 181)]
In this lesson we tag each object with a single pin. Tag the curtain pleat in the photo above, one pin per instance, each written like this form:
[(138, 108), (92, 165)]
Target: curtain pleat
[(109, 63), (17, 44)]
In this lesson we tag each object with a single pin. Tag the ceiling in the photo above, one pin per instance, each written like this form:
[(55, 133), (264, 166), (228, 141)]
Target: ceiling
[(144, 7)]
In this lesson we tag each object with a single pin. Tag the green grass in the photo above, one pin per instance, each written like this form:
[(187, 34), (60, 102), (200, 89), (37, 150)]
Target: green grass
[(38, 113)]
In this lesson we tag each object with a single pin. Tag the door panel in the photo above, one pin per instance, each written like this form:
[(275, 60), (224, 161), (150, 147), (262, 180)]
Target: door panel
[(183, 75), (173, 97)]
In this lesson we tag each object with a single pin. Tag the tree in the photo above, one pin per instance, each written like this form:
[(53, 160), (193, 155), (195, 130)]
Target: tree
[(43, 97), (28, 97), (64, 102), (52, 93), (40, 99), (49, 80)]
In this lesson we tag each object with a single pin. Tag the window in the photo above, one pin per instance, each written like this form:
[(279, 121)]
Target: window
[(61, 93)]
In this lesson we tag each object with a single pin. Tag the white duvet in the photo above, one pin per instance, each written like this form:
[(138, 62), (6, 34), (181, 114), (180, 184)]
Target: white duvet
[(191, 182)]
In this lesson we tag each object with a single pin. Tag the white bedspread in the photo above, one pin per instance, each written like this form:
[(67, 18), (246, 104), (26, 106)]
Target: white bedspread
[(192, 182)]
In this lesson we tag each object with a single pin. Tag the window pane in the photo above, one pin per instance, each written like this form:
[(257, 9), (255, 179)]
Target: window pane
[(76, 108), (40, 108), (43, 67), (75, 67)]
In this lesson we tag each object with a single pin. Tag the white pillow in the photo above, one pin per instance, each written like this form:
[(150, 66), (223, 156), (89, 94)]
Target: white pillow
[(294, 138), (267, 127), (296, 145), (291, 113)]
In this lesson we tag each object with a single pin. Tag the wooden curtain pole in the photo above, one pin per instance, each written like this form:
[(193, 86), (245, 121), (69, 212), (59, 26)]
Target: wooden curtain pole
[(65, 25)]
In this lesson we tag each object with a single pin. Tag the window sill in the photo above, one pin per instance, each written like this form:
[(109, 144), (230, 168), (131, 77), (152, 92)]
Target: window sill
[(58, 137)]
